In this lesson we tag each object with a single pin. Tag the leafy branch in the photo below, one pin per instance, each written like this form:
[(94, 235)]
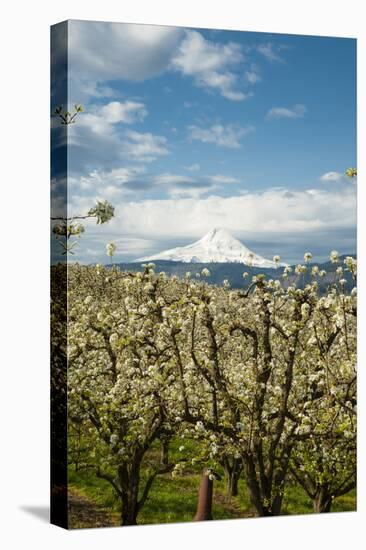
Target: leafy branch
[(68, 227), (351, 172), (67, 117)]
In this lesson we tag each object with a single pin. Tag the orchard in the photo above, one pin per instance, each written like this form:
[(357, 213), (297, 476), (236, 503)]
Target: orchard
[(258, 383)]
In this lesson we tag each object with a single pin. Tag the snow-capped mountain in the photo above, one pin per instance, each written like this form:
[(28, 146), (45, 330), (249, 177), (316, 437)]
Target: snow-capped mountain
[(216, 246)]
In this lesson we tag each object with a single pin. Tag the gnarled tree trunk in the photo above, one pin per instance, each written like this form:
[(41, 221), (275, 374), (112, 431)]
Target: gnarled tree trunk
[(129, 511), (322, 500), (129, 479), (266, 493)]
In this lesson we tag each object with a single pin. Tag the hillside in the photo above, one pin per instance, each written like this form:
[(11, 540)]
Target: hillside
[(233, 272)]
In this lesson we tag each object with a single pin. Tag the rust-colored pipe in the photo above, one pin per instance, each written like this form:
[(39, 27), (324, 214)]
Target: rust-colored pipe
[(204, 506)]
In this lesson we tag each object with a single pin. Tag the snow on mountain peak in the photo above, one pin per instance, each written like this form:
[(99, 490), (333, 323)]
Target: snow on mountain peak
[(217, 234), (218, 246)]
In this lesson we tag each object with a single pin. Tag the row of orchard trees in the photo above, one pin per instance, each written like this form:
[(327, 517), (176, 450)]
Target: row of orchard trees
[(264, 378)]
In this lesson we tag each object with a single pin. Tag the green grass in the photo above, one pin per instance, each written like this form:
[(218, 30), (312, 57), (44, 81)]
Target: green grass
[(99, 491), (175, 500), (296, 501), (170, 500)]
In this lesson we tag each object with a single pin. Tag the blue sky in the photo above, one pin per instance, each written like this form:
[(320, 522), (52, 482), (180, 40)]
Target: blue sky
[(188, 129)]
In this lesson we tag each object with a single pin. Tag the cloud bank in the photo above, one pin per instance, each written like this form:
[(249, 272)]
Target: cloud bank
[(318, 218)]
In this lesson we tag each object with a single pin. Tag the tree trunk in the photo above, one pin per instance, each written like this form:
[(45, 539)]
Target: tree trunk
[(129, 514), (164, 456), (254, 489), (232, 485), (130, 481), (261, 492), (322, 501), (232, 473), (277, 505)]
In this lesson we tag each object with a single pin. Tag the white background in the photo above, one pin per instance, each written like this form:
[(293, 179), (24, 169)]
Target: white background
[(24, 311)]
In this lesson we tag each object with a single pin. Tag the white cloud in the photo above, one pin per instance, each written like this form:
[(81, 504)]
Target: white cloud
[(270, 51), (210, 64), (124, 51), (97, 139), (189, 186), (193, 167), (127, 112), (101, 119), (181, 192), (190, 104), (252, 77), (176, 185), (172, 179), (271, 211), (99, 182), (100, 52), (134, 181), (332, 177), (96, 249), (278, 210), (222, 135), (222, 179), (144, 147), (274, 216), (94, 89), (297, 111)]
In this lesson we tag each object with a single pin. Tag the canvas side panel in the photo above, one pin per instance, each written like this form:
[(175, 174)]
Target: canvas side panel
[(59, 508)]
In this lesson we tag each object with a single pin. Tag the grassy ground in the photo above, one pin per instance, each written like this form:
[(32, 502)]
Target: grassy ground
[(170, 501), (173, 500), (297, 502)]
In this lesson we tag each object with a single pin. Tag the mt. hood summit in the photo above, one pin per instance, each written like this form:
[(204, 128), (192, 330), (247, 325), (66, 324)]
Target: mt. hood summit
[(216, 246)]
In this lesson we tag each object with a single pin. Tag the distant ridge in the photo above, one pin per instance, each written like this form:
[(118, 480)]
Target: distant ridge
[(218, 246)]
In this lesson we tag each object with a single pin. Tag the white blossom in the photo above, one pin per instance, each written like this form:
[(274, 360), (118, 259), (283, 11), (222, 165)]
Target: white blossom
[(334, 257), (111, 248)]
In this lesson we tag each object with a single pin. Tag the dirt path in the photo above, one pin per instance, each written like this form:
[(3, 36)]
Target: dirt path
[(232, 506), (84, 513)]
